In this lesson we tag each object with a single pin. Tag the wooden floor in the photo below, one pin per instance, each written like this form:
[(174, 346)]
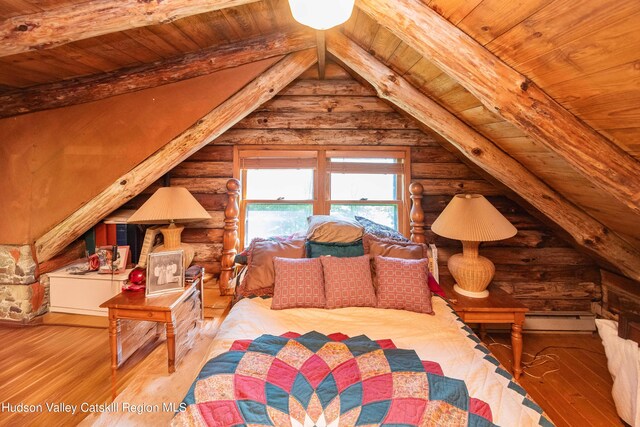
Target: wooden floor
[(61, 362), (56, 364), (71, 365), (579, 392)]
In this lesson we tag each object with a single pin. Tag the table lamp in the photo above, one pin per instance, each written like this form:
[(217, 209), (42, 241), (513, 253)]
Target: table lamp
[(171, 205), (472, 219)]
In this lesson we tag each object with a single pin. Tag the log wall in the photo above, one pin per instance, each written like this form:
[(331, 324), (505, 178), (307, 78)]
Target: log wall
[(619, 295), (542, 270)]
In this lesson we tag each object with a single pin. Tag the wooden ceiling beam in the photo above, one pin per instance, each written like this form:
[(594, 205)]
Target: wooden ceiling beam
[(205, 130), (84, 20), (100, 86), (511, 95), (585, 230), (322, 53)]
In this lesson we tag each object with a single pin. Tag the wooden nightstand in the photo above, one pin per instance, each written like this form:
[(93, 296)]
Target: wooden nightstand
[(179, 311), (498, 307)]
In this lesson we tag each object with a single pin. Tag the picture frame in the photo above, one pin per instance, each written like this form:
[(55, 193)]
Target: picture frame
[(165, 272), (151, 237), (107, 264)]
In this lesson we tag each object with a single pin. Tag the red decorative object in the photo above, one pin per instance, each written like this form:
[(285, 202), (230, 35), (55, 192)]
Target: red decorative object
[(137, 280), (94, 262)]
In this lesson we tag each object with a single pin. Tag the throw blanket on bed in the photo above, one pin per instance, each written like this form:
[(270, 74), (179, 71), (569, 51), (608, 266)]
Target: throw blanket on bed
[(327, 380)]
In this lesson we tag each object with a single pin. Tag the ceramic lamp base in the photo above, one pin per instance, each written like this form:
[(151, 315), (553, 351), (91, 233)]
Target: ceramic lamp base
[(472, 272), (471, 294), (172, 242)]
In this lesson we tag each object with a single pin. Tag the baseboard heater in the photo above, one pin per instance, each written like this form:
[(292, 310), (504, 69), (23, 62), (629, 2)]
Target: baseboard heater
[(557, 321)]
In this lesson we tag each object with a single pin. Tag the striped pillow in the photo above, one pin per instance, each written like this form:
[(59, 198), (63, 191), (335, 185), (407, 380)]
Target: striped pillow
[(347, 282), (298, 283), (403, 284)]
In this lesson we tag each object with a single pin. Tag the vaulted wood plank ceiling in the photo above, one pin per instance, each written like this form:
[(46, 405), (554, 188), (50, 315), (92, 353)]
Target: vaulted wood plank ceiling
[(438, 85), (142, 45), (586, 57)]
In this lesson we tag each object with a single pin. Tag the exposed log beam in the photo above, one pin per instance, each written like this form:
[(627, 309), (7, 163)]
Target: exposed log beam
[(180, 148), (83, 20), (322, 53), (586, 231), (100, 86), (511, 95)]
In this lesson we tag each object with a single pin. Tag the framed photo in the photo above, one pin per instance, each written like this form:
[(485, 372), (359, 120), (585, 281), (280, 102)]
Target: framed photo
[(109, 265), (165, 272), (151, 237)]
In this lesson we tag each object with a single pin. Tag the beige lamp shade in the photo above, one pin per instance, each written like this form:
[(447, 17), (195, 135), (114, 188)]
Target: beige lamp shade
[(470, 217), (168, 205)]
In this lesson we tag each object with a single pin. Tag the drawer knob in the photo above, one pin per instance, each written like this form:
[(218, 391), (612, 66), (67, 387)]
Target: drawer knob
[(149, 314)]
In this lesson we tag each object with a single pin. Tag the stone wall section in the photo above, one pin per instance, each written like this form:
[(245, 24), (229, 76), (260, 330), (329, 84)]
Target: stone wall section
[(22, 296)]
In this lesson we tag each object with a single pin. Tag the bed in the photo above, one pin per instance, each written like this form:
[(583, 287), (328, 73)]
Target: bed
[(351, 365)]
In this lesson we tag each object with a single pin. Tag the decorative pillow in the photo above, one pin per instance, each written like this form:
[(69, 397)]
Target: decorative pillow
[(403, 284), (380, 230), (236, 281), (259, 278), (325, 228), (341, 250), (376, 246), (347, 282), (299, 283), (434, 286), (243, 257)]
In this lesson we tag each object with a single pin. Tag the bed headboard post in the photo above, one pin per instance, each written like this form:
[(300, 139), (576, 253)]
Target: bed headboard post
[(417, 213), (229, 237)]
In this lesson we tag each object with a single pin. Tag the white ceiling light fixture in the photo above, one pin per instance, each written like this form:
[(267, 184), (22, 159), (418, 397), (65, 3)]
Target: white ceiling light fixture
[(321, 14)]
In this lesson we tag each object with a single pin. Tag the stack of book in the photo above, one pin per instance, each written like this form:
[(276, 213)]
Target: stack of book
[(114, 231), (193, 274)]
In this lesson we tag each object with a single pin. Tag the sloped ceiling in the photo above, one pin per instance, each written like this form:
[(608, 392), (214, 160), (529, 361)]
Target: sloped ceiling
[(446, 91), (587, 58)]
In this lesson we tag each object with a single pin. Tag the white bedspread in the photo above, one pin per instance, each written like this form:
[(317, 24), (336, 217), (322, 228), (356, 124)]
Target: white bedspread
[(440, 338), (623, 360)]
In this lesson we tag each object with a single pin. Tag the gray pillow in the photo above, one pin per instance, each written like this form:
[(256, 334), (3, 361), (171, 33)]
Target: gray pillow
[(380, 230)]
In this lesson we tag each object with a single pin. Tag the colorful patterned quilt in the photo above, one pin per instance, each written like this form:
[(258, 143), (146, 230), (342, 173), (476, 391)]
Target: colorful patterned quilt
[(327, 380), (387, 367)]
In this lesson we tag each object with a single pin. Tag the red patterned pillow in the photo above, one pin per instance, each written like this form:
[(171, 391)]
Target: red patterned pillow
[(298, 283), (403, 284), (347, 282)]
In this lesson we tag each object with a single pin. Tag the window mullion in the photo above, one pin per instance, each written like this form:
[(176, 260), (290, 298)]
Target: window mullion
[(324, 183)]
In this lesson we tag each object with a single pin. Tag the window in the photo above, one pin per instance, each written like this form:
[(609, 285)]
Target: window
[(281, 188)]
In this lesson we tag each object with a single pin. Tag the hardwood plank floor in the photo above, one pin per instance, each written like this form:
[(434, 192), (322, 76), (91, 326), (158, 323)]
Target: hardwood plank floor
[(71, 364), (573, 386), (56, 364), (67, 359)]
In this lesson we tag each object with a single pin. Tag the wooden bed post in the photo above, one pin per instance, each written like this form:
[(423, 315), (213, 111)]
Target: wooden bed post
[(417, 213), (229, 237)]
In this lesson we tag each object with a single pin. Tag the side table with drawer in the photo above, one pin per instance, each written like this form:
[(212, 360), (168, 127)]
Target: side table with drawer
[(498, 307), (179, 311)]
